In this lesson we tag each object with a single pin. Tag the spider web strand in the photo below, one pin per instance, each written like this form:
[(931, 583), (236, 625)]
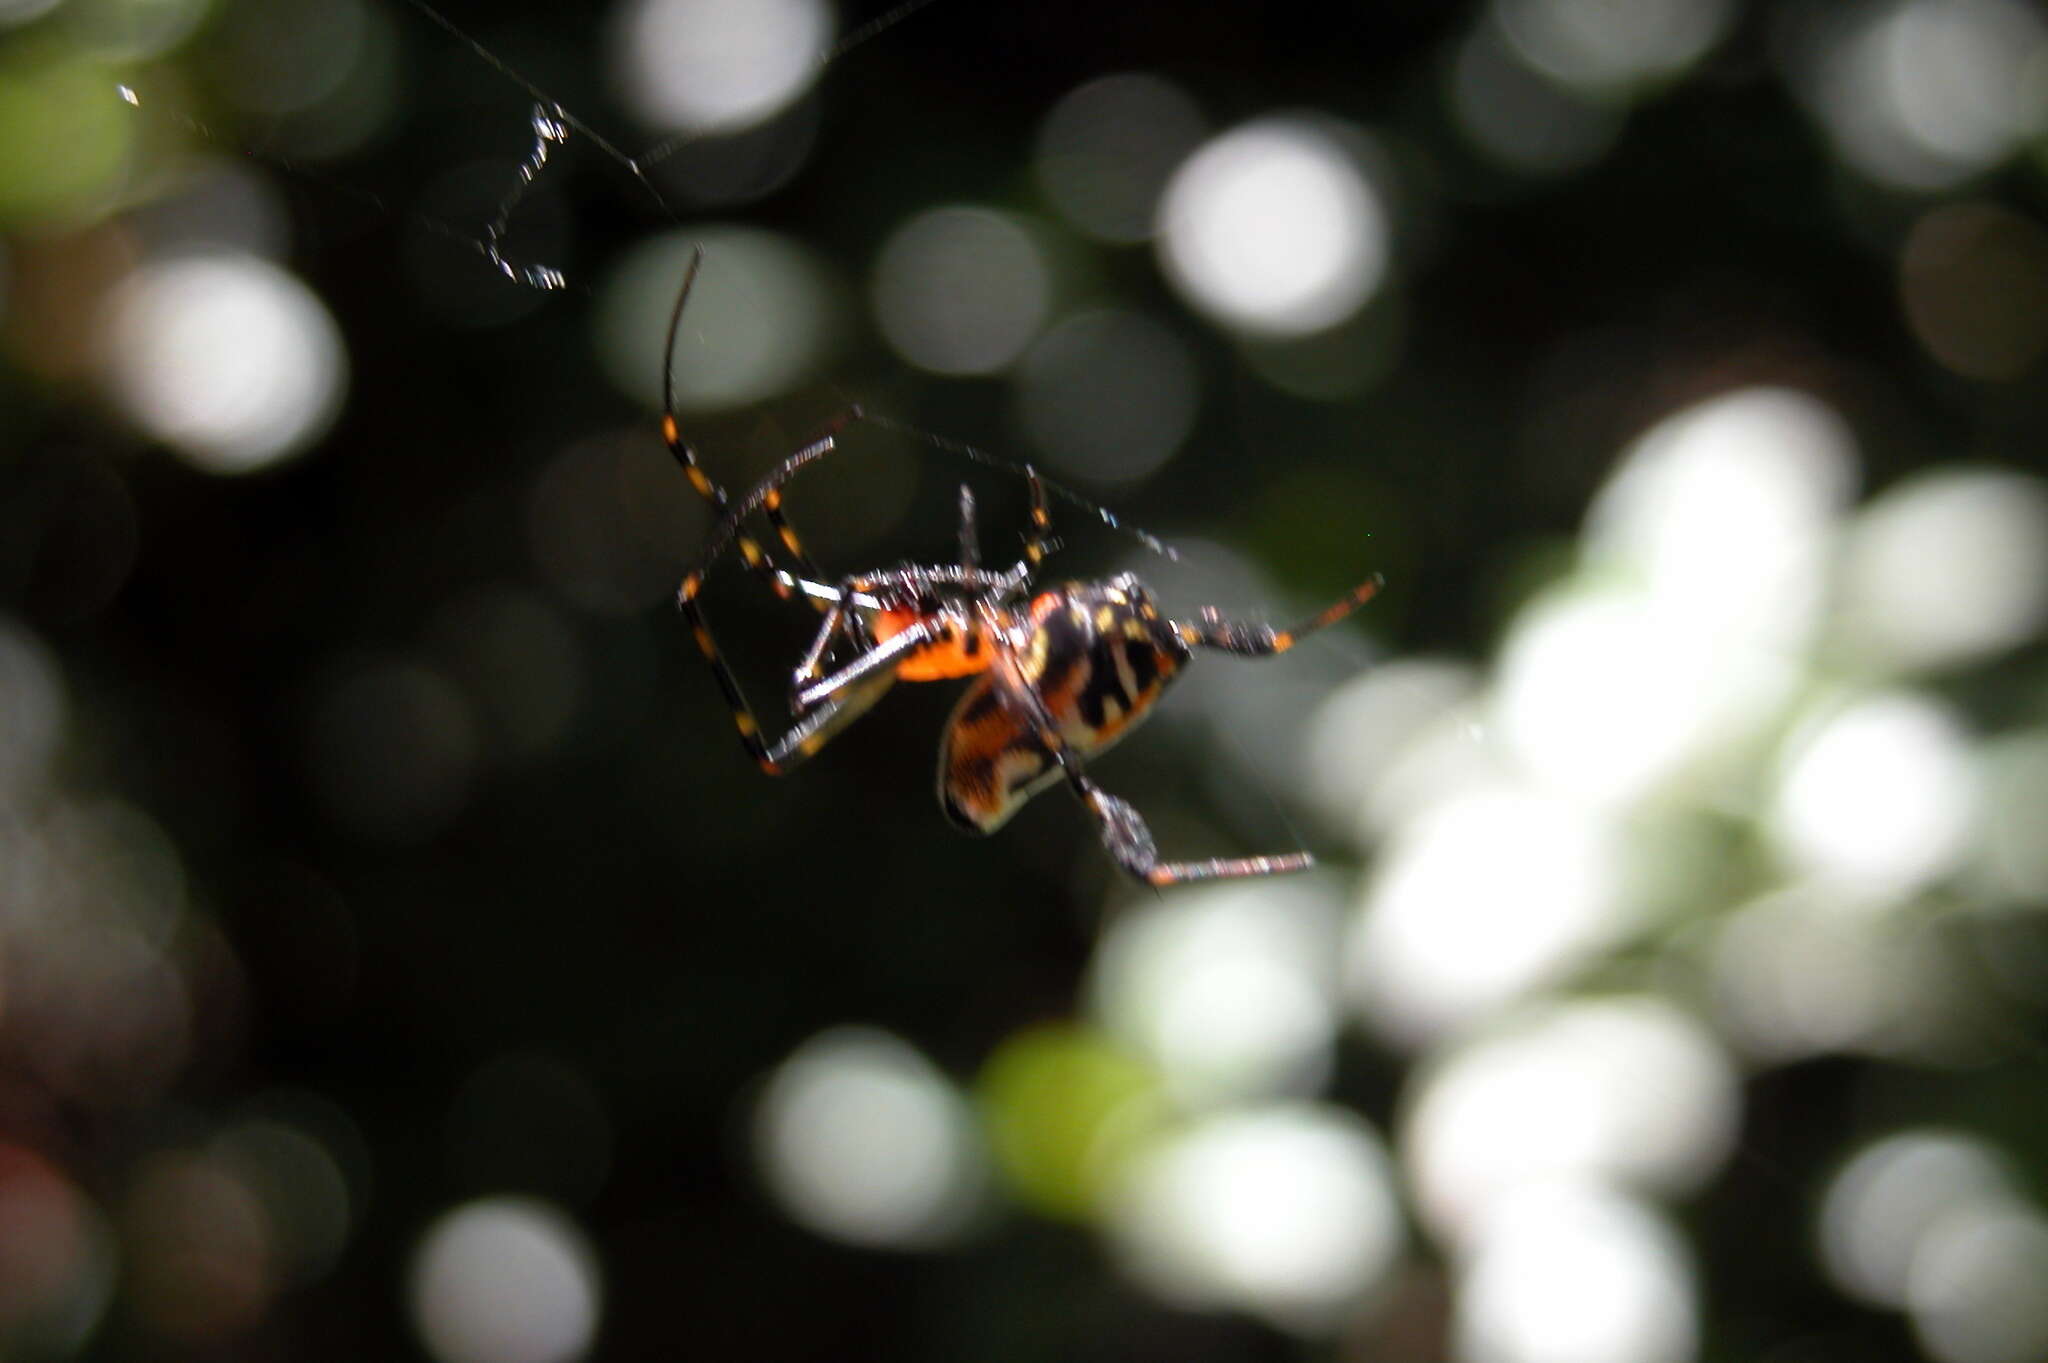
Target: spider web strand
[(991, 460)]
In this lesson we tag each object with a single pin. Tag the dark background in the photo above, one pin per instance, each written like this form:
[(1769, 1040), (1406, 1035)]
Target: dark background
[(629, 900)]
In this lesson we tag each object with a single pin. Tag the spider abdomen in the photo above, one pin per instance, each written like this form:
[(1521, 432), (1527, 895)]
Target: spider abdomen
[(1093, 660)]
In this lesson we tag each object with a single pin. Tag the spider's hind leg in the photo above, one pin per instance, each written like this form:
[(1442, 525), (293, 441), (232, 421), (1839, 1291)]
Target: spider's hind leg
[(1001, 745), (1130, 844)]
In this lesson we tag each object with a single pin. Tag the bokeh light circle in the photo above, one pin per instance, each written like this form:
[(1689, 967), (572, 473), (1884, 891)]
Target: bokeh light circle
[(861, 1139), (1877, 795), (961, 290), (1108, 395), (1947, 568), (1776, 462), (199, 1266), (288, 56), (1229, 992), (725, 64), (505, 1280), (1106, 149), (1626, 1090), (762, 315), (1576, 1273), (1522, 118), (227, 359), (1599, 46), (1877, 1211), (1921, 95), (1975, 1289), (1289, 1212), (1274, 228), (56, 1269), (301, 1187), (1476, 900)]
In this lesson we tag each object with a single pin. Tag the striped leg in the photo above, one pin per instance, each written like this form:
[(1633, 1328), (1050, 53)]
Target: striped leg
[(771, 506), (1261, 641), (766, 496), (770, 500), (1036, 545), (849, 697), (839, 622), (756, 558), (1130, 842)]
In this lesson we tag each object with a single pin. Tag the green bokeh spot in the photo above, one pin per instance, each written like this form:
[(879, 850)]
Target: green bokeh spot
[(1064, 1107), (65, 134)]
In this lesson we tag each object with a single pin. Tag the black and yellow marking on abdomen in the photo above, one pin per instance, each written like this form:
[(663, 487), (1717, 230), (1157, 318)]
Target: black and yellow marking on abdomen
[(1094, 668), (1125, 679), (990, 761)]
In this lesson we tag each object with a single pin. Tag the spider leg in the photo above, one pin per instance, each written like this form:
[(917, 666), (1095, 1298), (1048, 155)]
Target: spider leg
[(980, 456), (812, 667), (970, 543), (1123, 830), (884, 654), (766, 496), (771, 505), (1035, 543), (730, 529), (1130, 843), (1035, 546), (818, 591), (838, 621), (847, 696), (805, 687), (1260, 641), (685, 455), (823, 724)]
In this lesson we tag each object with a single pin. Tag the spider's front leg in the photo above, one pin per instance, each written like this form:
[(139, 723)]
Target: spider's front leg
[(1248, 640)]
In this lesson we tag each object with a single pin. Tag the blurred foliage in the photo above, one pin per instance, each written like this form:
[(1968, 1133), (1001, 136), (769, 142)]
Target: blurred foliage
[(374, 840)]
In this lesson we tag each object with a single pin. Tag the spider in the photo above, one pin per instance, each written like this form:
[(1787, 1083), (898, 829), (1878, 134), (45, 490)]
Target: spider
[(1060, 675)]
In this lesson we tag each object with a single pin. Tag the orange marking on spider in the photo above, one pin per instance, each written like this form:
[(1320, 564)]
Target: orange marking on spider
[(960, 652)]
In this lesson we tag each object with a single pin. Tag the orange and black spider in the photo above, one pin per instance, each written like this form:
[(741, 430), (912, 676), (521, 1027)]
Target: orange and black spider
[(1060, 674)]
